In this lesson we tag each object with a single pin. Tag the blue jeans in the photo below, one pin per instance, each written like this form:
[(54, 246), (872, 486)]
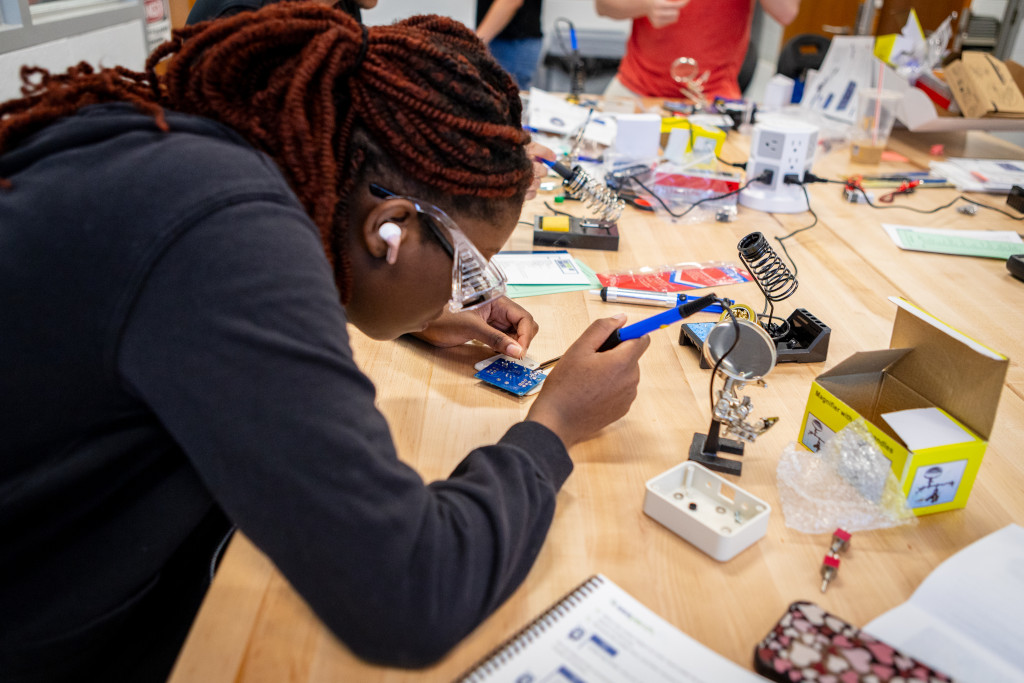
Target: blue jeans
[(519, 58)]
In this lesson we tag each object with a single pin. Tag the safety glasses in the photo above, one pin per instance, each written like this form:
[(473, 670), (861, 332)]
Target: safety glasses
[(475, 280)]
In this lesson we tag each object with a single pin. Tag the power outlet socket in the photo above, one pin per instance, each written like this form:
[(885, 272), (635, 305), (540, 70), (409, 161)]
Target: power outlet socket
[(760, 167), (798, 154), (770, 144)]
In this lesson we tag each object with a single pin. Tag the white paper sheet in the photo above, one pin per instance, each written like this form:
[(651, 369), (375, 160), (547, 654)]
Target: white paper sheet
[(965, 618), (541, 268), (849, 64), (607, 636), (925, 428)]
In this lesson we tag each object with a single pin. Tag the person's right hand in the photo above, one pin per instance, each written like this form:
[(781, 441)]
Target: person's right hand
[(662, 13), (588, 390)]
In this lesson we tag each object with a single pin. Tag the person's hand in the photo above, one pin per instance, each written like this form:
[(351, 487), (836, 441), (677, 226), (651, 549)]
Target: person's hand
[(503, 325), (663, 13), (535, 149), (588, 390)]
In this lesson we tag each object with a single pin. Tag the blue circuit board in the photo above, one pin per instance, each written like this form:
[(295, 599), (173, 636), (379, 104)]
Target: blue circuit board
[(511, 377)]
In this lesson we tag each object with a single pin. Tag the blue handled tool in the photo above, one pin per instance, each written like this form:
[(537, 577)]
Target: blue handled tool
[(639, 329)]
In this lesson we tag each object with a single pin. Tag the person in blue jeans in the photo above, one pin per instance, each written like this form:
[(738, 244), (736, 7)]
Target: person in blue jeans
[(511, 29)]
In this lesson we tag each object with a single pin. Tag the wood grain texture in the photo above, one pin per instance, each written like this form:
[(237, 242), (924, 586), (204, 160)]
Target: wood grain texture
[(253, 627)]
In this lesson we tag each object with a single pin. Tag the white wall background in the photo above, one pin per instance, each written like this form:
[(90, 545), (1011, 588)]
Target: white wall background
[(580, 12), (121, 44)]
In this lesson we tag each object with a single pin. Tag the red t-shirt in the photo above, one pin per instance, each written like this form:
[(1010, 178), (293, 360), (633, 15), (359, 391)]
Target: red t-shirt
[(714, 32)]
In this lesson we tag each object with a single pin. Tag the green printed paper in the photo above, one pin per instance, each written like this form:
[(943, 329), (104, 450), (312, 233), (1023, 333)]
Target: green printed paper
[(519, 291), (938, 243)]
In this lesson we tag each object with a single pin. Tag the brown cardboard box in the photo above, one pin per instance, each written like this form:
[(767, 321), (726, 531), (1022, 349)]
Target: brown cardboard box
[(984, 86), (919, 114)]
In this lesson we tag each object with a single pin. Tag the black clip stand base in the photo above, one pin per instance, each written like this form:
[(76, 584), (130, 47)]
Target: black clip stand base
[(704, 449)]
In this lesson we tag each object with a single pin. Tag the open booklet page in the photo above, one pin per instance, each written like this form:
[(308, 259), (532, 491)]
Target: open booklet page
[(965, 618), (601, 634)]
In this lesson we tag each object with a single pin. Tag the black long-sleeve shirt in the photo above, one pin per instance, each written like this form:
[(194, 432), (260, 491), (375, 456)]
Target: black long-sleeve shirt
[(173, 355)]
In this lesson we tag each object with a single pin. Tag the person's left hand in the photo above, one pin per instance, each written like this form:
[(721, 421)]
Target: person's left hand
[(503, 325)]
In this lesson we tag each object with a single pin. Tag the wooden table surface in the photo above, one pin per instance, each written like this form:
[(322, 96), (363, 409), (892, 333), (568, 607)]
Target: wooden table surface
[(253, 627)]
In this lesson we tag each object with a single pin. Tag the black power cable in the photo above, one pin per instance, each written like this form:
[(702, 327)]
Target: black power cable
[(764, 177)]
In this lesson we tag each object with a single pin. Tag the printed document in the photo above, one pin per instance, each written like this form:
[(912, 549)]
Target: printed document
[(965, 618)]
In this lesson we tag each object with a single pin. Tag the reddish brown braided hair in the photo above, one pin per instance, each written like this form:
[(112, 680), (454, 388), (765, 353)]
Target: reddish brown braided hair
[(418, 106)]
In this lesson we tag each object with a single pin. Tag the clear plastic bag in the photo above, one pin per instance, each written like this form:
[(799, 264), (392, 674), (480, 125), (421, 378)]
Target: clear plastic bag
[(692, 191), (847, 484)]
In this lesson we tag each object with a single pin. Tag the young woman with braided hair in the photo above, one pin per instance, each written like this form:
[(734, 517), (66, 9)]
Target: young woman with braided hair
[(179, 256)]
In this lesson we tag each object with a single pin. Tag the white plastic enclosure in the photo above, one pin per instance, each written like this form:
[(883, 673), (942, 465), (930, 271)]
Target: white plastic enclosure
[(706, 510)]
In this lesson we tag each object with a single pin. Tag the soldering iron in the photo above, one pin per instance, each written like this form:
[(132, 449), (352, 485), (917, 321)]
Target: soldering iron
[(639, 329)]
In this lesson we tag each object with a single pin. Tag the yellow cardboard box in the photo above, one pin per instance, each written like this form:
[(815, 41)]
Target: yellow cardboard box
[(700, 140), (930, 400)]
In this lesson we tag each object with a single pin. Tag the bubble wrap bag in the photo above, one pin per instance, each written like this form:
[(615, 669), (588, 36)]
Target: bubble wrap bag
[(847, 484)]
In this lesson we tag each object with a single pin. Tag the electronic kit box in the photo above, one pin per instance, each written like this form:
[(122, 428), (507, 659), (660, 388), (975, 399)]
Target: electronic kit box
[(930, 400)]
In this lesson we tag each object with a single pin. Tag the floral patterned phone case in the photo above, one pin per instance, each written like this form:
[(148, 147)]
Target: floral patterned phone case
[(809, 644)]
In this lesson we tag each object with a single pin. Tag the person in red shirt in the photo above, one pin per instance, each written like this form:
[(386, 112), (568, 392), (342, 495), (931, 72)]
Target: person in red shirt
[(714, 33)]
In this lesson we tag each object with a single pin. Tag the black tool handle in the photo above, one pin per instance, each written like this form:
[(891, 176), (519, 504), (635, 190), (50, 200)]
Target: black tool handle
[(562, 170), (691, 307), (611, 342)]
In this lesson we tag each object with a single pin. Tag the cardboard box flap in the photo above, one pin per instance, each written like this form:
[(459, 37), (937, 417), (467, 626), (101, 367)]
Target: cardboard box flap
[(984, 86), (948, 368), (857, 380), (894, 395), (865, 362)]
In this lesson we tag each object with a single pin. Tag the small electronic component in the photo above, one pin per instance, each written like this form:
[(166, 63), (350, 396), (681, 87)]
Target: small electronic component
[(857, 195), (830, 564), (510, 376), (829, 569), (840, 541)]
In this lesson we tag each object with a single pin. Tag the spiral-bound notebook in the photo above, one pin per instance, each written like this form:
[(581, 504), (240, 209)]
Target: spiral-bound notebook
[(599, 633)]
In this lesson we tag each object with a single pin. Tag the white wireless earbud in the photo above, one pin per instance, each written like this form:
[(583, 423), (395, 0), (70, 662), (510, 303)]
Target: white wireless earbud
[(392, 234)]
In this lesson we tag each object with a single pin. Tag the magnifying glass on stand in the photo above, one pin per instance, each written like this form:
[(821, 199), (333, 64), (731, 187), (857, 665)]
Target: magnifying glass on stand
[(741, 352), (684, 71)]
